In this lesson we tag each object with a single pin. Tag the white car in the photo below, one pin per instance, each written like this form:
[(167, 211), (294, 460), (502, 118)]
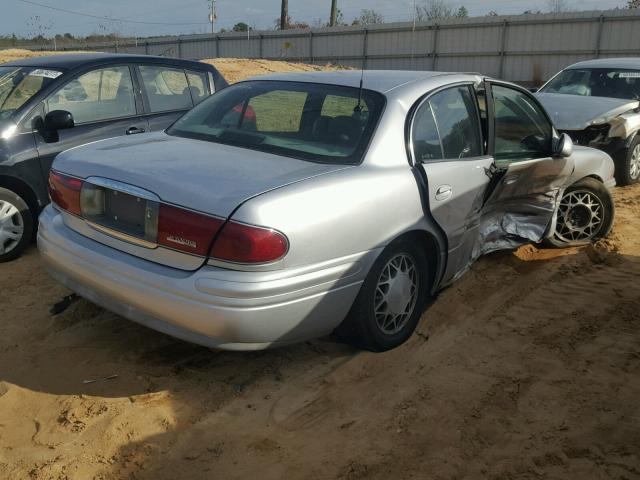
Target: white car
[(597, 102)]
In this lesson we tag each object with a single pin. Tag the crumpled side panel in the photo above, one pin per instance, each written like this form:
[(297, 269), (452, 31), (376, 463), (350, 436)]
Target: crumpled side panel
[(624, 125), (517, 223)]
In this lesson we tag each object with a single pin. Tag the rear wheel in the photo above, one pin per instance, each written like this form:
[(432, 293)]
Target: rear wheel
[(585, 214), (391, 299), (628, 164), (16, 225)]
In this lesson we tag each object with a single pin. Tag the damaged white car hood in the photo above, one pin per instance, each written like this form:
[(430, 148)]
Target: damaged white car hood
[(577, 112)]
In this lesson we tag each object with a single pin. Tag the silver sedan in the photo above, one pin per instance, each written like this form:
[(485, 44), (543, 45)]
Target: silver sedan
[(291, 206)]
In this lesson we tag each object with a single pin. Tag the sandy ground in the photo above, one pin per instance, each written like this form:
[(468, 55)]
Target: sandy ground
[(528, 367)]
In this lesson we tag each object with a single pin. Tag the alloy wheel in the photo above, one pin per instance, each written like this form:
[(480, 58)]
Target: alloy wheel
[(580, 216), (396, 294), (11, 227), (634, 163)]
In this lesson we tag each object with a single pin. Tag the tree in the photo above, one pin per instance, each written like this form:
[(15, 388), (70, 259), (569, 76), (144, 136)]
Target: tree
[(433, 10), (333, 16), (462, 12), (633, 4), (291, 24), (284, 14), (492, 13), (558, 6), (241, 27), (368, 17)]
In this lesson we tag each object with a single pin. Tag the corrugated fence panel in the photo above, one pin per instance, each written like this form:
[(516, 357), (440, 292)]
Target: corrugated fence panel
[(469, 39), (199, 49), (336, 46), (522, 48), (282, 46), (239, 47)]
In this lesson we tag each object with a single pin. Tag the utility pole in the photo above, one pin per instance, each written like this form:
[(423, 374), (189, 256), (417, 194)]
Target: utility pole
[(334, 13), (284, 14), (212, 16)]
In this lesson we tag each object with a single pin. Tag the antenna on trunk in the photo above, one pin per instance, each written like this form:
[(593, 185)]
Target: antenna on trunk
[(358, 108)]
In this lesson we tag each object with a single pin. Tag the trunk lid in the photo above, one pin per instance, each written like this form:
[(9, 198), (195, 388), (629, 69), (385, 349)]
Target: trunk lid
[(204, 176), (130, 181)]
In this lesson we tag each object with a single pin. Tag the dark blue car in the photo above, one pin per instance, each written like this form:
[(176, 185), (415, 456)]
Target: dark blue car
[(51, 104)]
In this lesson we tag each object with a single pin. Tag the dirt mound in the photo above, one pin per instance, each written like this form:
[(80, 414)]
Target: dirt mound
[(12, 54), (236, 69), (233, 69)]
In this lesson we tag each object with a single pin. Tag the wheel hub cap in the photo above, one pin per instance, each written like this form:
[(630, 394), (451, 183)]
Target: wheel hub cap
[(11, 227), (634, 167), (580, 216), (396, 294)]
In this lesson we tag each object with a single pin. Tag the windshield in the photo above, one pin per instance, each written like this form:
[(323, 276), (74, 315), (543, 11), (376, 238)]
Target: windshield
[(597, 82), (317, 122), (19, 84)]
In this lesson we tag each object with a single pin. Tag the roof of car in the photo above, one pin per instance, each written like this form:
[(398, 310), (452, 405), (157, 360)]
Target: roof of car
[(377, 80), (70, 61), (627, 62)]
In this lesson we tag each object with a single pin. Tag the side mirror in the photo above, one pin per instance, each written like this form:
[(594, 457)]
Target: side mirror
[(58, 120), (564, 146)]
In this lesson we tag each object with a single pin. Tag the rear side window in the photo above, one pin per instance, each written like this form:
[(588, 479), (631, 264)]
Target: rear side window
[(102, 94), (447, 126), (425, 138), (198, 86), (166, 88)]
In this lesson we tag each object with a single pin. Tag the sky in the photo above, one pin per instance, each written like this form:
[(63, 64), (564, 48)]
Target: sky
[(191, 16)]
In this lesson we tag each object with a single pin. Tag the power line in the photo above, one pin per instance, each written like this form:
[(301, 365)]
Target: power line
[(111, 19)]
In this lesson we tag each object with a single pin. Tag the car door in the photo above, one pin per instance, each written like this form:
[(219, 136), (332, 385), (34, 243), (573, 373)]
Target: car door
[(528, 179), (168, 92), (447, 147), (103, 104)]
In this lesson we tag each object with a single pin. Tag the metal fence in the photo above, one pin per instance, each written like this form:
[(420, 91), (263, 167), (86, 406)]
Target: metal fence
[(521, 48)]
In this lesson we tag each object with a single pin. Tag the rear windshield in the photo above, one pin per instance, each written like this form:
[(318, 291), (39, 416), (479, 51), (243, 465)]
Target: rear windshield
[(597, 82), (317, 122), (19, 84)]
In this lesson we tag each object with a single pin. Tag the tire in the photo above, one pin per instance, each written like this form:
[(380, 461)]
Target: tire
[(628, 164), (371, 329), (585, 214), (16, 225)]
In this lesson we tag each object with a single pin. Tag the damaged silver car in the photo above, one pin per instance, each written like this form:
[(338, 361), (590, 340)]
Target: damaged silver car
[(290, 206), (597, 103)]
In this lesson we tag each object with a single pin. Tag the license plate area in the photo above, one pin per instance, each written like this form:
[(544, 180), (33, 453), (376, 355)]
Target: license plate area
[(127, 213)]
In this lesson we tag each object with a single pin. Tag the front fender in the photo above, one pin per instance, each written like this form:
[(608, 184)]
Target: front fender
[(590, 162)]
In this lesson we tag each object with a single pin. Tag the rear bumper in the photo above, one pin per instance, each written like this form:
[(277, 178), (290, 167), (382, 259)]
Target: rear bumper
[(212, 306)]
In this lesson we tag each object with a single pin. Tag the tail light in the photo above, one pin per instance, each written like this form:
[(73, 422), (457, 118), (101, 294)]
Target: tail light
[(186, 230), (65, 192), (242, 243)]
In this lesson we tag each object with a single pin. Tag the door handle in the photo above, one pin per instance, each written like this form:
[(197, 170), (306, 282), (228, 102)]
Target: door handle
[(134, 130), (443, 192)]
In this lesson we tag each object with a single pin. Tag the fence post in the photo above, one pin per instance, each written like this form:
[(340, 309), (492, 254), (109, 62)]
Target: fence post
[(311, 47), (217, 39), (260, 46), (146, 47), (364, 48), (601, 20), (434, 54), (503, 47), (179, 47)]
